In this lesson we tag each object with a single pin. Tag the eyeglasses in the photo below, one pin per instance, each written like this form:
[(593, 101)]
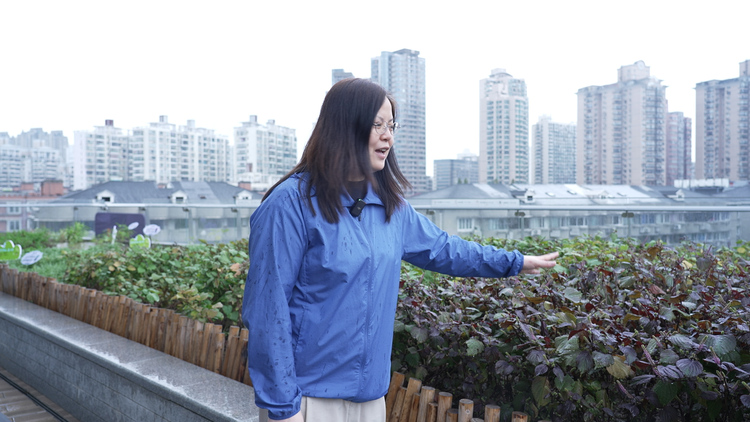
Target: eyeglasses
[(381, 127)]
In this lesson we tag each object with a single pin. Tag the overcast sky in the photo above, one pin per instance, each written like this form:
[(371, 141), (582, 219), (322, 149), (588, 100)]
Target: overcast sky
[(69, 65)]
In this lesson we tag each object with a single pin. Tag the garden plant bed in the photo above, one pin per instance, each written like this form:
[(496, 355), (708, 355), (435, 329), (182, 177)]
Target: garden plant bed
[(618, 331)]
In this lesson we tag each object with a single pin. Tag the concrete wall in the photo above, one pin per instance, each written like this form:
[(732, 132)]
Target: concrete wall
[(98, 376)]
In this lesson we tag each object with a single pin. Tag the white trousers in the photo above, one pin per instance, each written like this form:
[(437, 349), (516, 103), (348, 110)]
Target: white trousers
[(337, 410)]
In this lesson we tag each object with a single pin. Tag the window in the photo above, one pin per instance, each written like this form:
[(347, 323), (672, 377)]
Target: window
[(14, 225), (465, 224), (14, 210), (497, 224)]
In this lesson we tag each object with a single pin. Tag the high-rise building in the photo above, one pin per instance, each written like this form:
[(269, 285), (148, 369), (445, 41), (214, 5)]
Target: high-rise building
[(160, 152), (402, 74), (164, 152), (339, 75), (554, 146), (37, 138), (263, 153), (679, 135), (621, 131), (722, 127), (32, 157), (99, 155), (463, 170), (503, 129)]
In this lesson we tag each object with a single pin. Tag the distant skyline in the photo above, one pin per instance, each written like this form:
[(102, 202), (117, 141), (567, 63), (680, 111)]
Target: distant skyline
[(71, 65)]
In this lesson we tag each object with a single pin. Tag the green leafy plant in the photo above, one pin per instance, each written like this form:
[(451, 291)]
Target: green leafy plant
[(618, 331)]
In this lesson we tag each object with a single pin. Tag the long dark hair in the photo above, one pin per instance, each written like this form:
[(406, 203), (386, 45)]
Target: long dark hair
[(339, 147)]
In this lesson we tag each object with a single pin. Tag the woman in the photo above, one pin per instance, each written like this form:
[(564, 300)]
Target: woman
[(326, 246)]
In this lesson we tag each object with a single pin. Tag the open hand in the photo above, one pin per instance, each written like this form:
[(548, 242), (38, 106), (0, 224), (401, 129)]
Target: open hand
[(532, 264)]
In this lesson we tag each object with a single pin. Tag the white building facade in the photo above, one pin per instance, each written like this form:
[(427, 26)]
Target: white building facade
[(165, 152), (503, 129), (554, 146), (263, 153), (99, 155), (402, 74), (722, 127), (621, 131)]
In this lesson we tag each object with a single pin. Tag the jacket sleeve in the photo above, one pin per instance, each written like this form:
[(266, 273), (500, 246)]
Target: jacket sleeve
[(429, 247), (276, 247)]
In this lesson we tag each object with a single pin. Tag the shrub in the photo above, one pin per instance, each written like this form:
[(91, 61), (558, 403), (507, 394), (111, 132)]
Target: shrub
[(617, 332)]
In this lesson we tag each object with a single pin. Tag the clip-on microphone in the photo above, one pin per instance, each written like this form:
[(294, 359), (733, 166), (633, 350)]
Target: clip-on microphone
[(357, 208)]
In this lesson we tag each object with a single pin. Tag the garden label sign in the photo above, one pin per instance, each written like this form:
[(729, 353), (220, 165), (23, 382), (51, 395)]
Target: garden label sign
[(140, 242), (31, 258), (151, 230), (10, 251)]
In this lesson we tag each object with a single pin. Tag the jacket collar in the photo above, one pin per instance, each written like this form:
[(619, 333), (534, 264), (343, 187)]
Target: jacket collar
[(347, 201)]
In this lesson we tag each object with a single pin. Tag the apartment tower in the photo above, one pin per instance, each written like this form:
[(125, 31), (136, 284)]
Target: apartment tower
[(263, 153), (402, 74), (164, 152), (722, 128), (99, 156), (462, 170), (503, 129), (621, 131), (554, 144), (679, 136)]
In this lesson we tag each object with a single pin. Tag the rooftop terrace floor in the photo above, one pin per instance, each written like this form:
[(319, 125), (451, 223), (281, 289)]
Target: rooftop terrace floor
[(21, 403)]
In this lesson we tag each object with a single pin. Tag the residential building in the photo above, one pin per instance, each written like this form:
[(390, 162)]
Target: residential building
[(32, 157), (463, 170), (621, 131), (679, 149), (263, 153), (722, 127), (339, 75), (12, 165), (99, 155), (402, 74), (164, 152), (554, 159), (503, 129), (36, 138), (19, 203)]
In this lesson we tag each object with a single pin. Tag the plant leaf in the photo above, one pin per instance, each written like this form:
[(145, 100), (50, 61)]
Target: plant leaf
[(722, 344), (666, 391), (474, 347), (572, 295), (540, 390), (602, 359), (619, 369), (682, 341), (690, 367)]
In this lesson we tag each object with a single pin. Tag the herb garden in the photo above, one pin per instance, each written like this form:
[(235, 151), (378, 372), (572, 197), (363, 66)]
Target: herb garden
[(617, 331)]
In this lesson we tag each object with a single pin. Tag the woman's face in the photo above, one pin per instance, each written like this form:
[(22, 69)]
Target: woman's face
[(381, 143)]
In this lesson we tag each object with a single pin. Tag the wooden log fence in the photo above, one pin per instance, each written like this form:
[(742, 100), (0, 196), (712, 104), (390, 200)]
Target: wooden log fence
[(417, 403), (202, 344), (205, 345)]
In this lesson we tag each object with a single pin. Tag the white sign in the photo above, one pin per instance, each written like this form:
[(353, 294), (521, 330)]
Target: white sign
[(133, 225), (151, 230), (31, 257)]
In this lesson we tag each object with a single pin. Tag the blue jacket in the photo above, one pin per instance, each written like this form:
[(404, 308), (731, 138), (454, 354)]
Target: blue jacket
[(320, 298)]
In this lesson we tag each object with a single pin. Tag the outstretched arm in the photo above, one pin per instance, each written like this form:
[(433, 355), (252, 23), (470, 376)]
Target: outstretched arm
[(532, 264)]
